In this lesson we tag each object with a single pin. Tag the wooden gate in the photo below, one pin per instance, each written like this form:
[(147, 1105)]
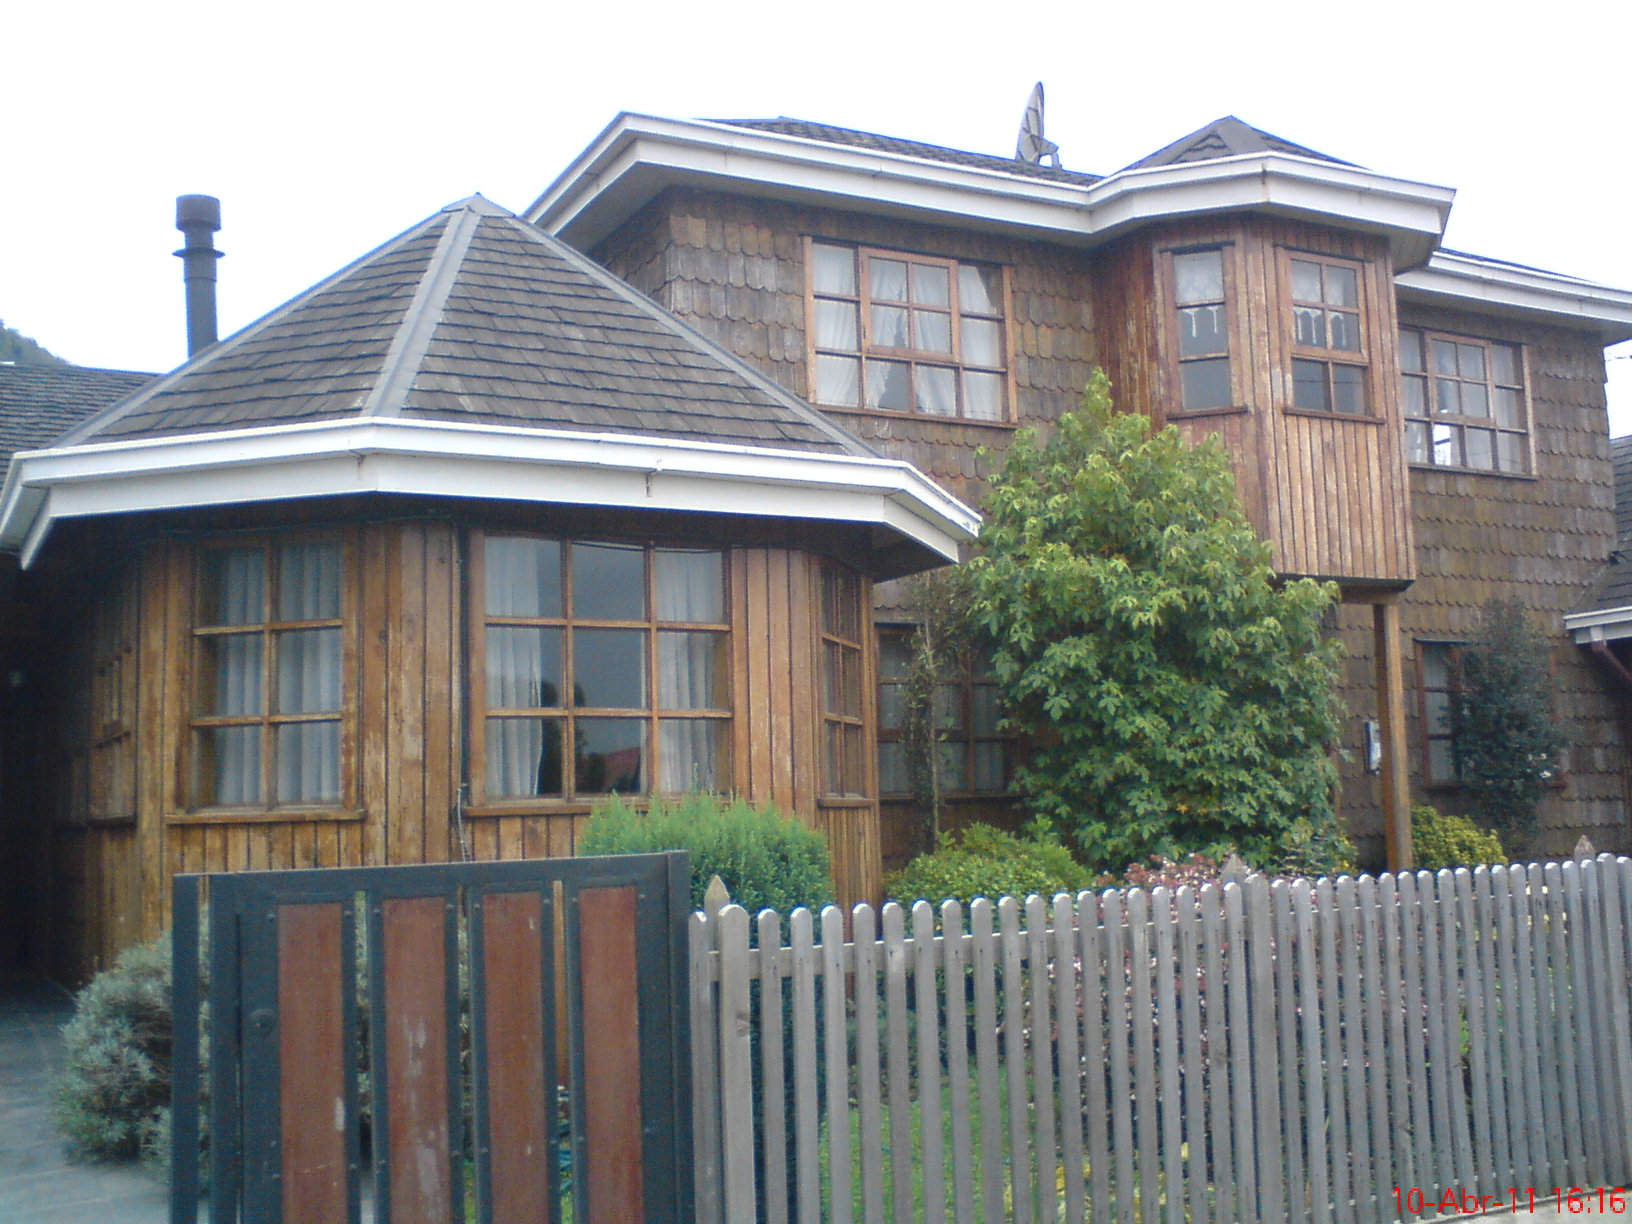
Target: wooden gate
[(493, 1042)]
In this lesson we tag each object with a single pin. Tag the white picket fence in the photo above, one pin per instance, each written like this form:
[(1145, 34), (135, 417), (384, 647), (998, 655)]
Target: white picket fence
[(1346, 1052)]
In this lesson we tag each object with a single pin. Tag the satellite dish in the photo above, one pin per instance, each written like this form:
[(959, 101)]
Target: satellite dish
[(1033, 146)]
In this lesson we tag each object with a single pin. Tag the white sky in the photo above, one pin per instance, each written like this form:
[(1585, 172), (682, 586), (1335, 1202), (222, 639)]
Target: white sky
[(326, 128)]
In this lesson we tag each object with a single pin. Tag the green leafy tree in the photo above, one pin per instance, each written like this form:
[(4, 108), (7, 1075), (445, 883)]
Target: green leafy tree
[(1505, 738), (935, 652), (18, 348), (1181, 697)]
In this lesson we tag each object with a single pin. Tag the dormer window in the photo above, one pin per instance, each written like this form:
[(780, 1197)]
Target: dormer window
[(908, 333), (1329, 359)]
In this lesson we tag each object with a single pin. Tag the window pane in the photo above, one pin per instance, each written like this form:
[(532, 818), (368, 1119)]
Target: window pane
[(693, 755), (1416, 395), (931, 285), (1416, 442), (1342, 287), (1504, 364), (308, 759), (1510, 456), (690, 586), (1481, 444), (985, 711), (938, 390), (834, 270), (691, 670), (1475, 401), (1447, 446), (888, 280), (1509, 408), (234, 588), (1436, 665), (982, 342), (836, 326), (948, 707), (892, 706), (1349, 390), (934, 331), (308, 671), (1441, 762), (841, 679), (1198, 277), (1201, 330), (523, 576), (1206, 383), (1448, 393), (523, 668), (982, 396), (609, 668), (890, 327), (610, 756), (309, 581), (524, 757), (841, 603), (893, 776), (954, 766), (1445, 357), (229, 765), (980, 290), (1472, 360), (838, 381), (894, 655), (1309, 386), (1436, 706), (1306, 281), (230, 675), (1311, 326), (991, 774), (1344, 331), (608, 582), (889, 385), (1411, 351)]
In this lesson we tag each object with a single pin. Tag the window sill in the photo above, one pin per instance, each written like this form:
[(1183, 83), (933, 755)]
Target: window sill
[(1467, 471), (844, 801), (265, 815), (1181, 414), (1332, 416), (559, 807), (891, 415)]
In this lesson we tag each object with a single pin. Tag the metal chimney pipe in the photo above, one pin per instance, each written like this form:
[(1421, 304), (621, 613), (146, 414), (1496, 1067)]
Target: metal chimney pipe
[(198, 217)]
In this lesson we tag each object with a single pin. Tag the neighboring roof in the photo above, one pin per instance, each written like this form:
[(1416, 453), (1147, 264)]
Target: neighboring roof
[(1604, 611), (477, 317), (827, 132), (1620, 453), (40, 403), (1228, 137)]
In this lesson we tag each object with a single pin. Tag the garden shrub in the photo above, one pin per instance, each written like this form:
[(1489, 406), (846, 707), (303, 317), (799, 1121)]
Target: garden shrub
[(1452, 841), (767, 860), (986, 862), (115, 1085)]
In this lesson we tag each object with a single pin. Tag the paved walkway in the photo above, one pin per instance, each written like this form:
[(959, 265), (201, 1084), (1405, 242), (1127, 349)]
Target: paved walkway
[(38, 1184)]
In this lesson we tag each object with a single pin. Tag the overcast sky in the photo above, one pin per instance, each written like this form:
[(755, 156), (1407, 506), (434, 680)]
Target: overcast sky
[(326, 128)]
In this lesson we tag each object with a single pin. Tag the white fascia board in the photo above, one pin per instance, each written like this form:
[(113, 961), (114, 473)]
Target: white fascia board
[(1507, 289), (637, 155), (1606, 625), (441, 459)]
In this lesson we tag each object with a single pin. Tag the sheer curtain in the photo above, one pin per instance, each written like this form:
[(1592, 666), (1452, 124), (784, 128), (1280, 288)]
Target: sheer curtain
[(309, 666), (690, 589)]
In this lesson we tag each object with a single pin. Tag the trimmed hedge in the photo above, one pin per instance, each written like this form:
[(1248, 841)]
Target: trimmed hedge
[(987, 862), (767, 860)]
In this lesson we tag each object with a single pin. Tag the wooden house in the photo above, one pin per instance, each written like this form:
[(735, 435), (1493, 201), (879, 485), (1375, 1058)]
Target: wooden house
[(514, 513)]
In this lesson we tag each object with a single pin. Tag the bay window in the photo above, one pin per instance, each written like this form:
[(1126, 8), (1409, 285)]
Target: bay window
[(598, 668), (1200, 288), (1329, 360)]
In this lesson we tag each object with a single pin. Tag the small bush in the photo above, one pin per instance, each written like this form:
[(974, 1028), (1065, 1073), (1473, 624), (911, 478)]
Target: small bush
[(987, 862), (767, 860), (1452, 841), (1195, 871), (115, 1084)]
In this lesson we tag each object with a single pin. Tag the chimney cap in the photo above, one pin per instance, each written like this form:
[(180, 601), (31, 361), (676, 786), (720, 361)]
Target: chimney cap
[(198, 211)]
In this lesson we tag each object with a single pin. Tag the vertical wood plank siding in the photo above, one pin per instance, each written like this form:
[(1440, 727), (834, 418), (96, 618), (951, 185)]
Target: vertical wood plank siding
[(1254, 1052), (110, 883)]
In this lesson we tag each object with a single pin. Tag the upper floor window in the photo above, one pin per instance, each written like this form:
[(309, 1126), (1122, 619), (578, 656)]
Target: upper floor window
[(1464, 402), (1328, 335), (972, 755), (598, 669), (1200, 299), (908, 333), (270, 721)]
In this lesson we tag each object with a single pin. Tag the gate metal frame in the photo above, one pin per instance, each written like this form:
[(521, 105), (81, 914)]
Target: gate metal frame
[(242, 913)]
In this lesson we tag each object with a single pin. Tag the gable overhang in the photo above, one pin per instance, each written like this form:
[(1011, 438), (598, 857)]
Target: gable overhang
[(1491, 287), (1599, 625), (638, 156), (915, 523)]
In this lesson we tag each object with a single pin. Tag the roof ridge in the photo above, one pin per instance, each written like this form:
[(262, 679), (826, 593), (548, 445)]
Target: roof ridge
[(680, 327), (412, 338), (130, 403)]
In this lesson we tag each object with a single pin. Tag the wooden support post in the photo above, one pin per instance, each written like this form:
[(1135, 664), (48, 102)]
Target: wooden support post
[(1396, 775)]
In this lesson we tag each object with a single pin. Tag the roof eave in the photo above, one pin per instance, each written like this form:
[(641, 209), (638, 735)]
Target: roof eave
[(439, 459), (1497, 288), (1599, 625)]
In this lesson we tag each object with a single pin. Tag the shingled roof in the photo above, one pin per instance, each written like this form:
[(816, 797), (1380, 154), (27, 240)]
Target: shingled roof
[(475, 317), (39, 403), (829, 134), (1228, 137)]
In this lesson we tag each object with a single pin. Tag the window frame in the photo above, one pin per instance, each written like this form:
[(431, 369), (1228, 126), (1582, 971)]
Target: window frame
[(113, 663), (867, 352), (964, 734), (1234, 350), (1427, 735), (1361, 359), (1460, 422), (844, 771), (650, 716), (190, 804)]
